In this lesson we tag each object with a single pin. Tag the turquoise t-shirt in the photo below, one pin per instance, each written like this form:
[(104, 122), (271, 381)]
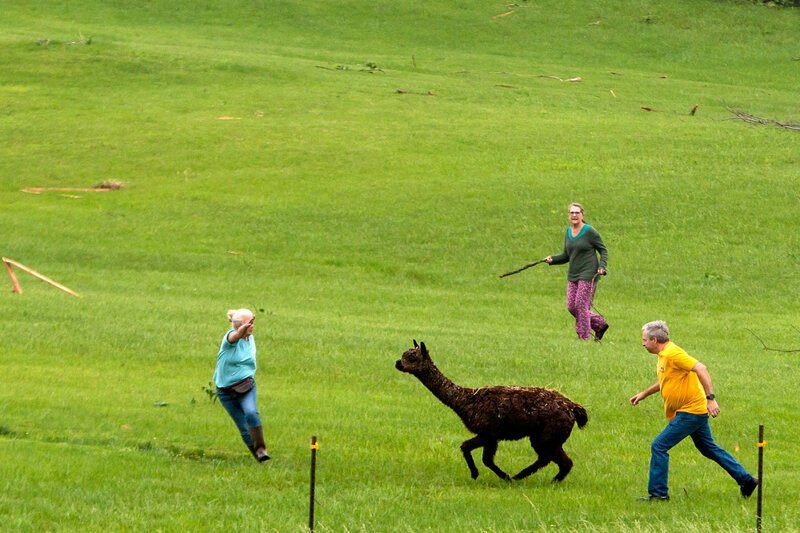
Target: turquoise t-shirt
[(235, 361)]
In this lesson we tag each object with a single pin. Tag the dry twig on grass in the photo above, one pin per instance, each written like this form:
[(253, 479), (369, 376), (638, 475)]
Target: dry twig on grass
[(507, 13), (752, 119), (403, 91), (108, 185), (576, 78), (511, 8), (767, 348)]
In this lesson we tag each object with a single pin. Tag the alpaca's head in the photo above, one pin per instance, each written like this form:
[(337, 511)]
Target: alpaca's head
[(414, 359)]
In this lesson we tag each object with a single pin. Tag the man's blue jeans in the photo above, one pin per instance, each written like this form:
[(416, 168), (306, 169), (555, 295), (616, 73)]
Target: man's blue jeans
[(243, 411), (680, 427)]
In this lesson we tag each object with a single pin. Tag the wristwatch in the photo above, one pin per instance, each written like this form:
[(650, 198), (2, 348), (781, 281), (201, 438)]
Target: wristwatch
[(710, 396)]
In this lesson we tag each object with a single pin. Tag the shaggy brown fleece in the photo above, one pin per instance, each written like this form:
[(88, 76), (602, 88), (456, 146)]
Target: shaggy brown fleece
[(545, 416)]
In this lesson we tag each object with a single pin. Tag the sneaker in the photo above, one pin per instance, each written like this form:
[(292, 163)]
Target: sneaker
[(600, 332), (748, 488), (651, 498)]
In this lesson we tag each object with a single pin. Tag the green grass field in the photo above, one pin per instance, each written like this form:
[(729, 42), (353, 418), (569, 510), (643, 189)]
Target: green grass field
[(381, 163)]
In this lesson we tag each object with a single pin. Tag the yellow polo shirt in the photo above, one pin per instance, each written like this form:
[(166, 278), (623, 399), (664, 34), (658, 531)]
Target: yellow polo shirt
[(680, 387)]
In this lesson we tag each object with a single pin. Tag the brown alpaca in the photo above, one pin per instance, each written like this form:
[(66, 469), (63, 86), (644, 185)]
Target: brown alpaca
[(544, 416)]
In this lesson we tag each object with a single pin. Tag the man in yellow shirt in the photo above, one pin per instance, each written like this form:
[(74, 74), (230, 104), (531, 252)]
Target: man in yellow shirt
[(688, 394)]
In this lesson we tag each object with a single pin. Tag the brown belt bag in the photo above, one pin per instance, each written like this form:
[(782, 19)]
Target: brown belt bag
[(239, 387)]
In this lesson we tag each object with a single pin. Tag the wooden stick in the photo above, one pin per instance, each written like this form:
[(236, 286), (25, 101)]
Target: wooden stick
[(10, 262), (37, 190), (523, 268), (752, 119), (768, 348), (17, 289)]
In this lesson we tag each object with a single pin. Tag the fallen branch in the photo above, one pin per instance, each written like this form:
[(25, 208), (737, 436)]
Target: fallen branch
[(403, 91), (767, 348), (576, 78), (103, 187), (752, 119), (511, 8), (17, 289), (507, 13)]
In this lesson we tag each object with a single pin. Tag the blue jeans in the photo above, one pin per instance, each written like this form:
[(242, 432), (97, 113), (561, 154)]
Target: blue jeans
[(243, 411), (680, 427)]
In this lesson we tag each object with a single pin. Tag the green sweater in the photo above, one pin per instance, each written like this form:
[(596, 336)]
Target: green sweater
[(581, 254)]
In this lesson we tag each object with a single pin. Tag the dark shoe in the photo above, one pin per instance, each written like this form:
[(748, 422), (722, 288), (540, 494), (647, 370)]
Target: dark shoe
[(652, 498), (748, 488), (600, 332)]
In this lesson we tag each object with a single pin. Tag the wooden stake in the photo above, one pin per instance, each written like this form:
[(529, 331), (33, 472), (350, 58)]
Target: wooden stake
[(314, 448), (10, 262)]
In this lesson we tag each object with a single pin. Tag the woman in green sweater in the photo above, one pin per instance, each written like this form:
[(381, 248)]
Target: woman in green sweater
[(582, 243)]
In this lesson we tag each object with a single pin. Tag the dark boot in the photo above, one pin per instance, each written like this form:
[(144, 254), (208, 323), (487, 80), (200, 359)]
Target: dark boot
[(259, 447), (252, 451)]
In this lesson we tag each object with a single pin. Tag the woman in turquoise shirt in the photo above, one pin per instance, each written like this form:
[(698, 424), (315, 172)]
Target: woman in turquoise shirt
[(582, 243), (236, 385)]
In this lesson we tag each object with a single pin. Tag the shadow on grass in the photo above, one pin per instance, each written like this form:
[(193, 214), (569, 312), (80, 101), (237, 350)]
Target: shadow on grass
[(169, 450)]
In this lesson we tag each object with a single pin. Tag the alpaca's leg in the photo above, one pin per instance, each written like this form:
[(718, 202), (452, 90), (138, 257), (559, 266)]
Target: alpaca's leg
[(489, 449), (540, 463), (564, 464), (466, 448), (542, 460)]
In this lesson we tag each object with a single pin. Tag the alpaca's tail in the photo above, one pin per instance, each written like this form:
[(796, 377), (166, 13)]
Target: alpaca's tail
[(580, 414)]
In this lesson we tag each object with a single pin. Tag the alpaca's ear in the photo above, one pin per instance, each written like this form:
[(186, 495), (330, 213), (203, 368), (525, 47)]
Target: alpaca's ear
[(424, 349), (415, 344)]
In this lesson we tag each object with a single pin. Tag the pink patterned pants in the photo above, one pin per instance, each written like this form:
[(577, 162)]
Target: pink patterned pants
[(580, 295)]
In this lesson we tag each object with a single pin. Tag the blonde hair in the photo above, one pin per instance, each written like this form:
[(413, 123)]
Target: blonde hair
[(579, 206), (238, 315)]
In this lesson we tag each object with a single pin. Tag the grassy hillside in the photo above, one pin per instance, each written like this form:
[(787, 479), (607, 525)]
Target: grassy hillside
[(362, 172)]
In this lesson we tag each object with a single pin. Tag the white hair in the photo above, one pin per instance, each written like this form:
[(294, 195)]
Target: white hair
[(657, 329), (237, 317)]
